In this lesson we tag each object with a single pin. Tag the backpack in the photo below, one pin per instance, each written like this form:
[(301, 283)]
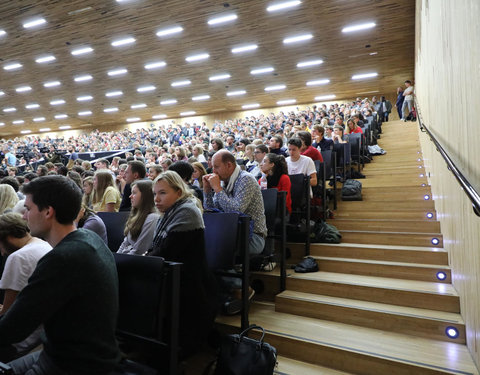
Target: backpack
[(352, 190), (326, 233)]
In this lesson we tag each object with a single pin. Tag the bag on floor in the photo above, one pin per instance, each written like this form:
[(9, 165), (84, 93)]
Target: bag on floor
[(376, 150), (352, 190), (326, 233), (307, 264), (241, 355)]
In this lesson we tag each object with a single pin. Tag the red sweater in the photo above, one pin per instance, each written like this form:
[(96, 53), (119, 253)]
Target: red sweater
[(284, 184), (312, 153)]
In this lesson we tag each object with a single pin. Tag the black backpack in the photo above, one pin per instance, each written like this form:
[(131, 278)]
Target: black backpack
[(352, 190)]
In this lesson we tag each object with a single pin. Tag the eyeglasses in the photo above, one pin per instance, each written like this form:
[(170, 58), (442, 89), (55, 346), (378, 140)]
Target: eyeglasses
[(258, 152)]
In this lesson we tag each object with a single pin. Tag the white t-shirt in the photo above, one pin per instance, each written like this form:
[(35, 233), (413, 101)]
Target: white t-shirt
[(21, 264), (304, 165), (408, 93)]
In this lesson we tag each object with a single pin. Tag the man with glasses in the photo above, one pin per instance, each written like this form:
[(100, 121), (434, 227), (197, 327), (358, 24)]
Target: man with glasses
[(258, 155)]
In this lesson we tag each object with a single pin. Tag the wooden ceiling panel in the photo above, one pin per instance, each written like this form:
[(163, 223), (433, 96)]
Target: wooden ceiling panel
[(78, 23)]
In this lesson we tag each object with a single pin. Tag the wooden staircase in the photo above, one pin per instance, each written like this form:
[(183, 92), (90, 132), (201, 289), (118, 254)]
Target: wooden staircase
[(382, 300)]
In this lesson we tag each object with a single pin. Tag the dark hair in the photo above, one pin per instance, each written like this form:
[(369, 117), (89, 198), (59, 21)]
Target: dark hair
[(263, 148), (12, 224), (30, 176), (278, 139), (408, 81), (295, 142), (43, 169), (245, 141), (75, 177), (138, 167), (104, 161), (306, 137), (219, 143), (12, 181), (279, 168), (62, 170), (58, 192), (183, 168)]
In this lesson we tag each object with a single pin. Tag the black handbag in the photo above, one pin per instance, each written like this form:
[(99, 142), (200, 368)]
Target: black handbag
[(241, 355)]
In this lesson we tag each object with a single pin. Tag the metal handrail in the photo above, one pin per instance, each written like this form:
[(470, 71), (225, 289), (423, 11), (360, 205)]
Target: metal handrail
[(462, 180)]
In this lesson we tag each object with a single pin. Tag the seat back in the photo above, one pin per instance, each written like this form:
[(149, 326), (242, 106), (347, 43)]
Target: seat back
[(355, 141), (329, 158), (115, 224), (300, 195), (270, 205)]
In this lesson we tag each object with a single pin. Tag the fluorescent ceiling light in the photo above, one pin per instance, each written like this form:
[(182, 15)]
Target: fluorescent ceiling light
[(44, 129), (84, 98), (219, 77), (112, 109), (170, 31), (52, 84), (2, 93), (275, 88), (185, 82), (363, 26), (9, 109), (18, 122), (202, 56), (2, 32), (363, 76), (249, 106), (201, 97), (304, 64), (138, 106), (12, 66), (25, 131), (187, 113), (168, 102), (39, 119), (33, 23), (155, 65), (57, 102), (157, 117), (84, 113), (146, 88), (222, 19), (81, 51), (123, 42), (111, 94), (283, 5), (23, 89), (133, 119), (32, 106), (236, 93), (318, 82), (60, 116), (249, 47), (286, 101), (324, 97), (117, 72), (261, 70), (45, 59), (86, 77), (63, 127), (2, 124), (298, 38)]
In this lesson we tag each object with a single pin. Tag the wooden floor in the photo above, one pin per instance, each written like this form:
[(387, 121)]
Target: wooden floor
[(376, 306)]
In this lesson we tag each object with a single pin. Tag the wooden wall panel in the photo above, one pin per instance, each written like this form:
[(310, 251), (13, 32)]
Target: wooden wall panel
[(447, 81)]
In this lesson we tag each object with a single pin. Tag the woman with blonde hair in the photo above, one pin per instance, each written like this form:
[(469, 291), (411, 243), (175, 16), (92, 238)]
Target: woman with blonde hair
[(197, 151), (106, 196), (179, 237), (87, 191), (198, 172), (8, 198), (141, 221)]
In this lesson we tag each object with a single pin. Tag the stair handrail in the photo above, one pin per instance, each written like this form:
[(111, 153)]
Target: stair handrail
[(467, 187)]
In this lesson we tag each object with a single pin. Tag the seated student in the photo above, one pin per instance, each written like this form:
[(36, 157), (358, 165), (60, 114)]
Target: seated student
[(23, 253), (136, 170), (87, 219), (198, 172), (185, 170), (276, 169), (198, 151), (259, 153), (276, 143), (179, 237), (65, 289), (141, 221), (320, 141), (8, 198), (338, 136), (106, 197), (352, 127), (300, 164), (307, 149)]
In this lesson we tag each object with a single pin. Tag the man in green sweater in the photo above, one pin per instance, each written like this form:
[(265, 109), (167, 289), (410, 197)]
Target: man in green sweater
[(73, 291)]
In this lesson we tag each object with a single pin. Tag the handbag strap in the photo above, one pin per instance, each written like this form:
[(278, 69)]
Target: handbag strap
[(253, 326)]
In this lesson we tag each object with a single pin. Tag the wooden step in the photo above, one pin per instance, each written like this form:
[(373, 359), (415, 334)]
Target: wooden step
[(410, 293), (382, 206), (408, 320), (354, 349), (406, 254), (385, 182), (390, 196), (387, 167), (392, 238), (409, 173), (287, 366), (396, 270), (386, 215), (422, 226)]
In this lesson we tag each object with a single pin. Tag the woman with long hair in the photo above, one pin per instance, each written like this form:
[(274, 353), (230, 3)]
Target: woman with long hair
[(141, 221), (8, 198), (198, 172), (106, 197), (179, 237), (276, 170), (87, 219), (352, 127), (87, 191)]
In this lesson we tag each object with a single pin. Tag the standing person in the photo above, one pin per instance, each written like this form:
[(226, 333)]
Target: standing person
[(73, 291), (106, 197), (399, 102), (408, 102), (141, 221), (23, 251), (386, 108)]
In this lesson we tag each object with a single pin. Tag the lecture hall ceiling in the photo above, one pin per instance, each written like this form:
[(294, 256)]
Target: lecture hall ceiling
[(102, 62)]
